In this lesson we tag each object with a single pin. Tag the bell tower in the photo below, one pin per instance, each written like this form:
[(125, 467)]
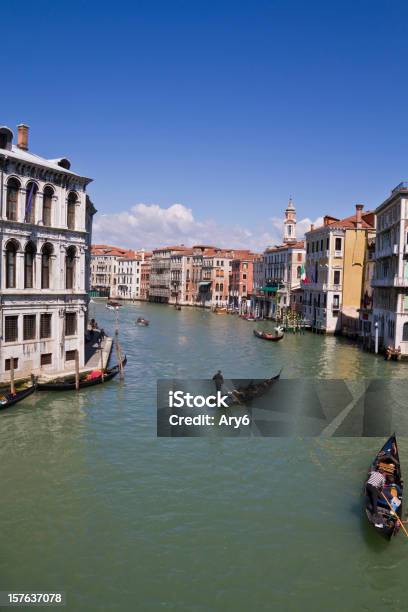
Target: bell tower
[(290, 223)]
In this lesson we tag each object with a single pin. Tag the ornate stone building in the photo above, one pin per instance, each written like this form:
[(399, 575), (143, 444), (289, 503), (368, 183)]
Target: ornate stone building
[(45, 237)]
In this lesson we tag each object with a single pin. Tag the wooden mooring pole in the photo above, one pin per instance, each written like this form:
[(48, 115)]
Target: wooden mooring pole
[(102, 370), (119, 355), (76, 370)]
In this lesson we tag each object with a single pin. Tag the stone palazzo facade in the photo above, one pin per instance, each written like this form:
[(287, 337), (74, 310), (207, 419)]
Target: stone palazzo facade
[(45, 237)]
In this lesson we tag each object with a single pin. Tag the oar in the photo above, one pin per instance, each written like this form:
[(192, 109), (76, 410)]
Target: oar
[(393, 512)]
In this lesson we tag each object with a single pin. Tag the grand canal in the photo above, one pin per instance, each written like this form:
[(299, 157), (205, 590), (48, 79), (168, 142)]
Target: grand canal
[(95, 505)]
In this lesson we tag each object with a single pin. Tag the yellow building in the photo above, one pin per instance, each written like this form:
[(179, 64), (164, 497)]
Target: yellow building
[(335, 272)]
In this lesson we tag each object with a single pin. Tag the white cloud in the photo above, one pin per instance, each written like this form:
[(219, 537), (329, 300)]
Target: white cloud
[(150, 226)]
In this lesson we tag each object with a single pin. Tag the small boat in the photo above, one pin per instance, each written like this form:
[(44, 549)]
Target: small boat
[(9, 399), (177, 307), (96, 377), (112, 305), (250, 391), (220, 311), (386, 522), (278, 335), (141, 321)]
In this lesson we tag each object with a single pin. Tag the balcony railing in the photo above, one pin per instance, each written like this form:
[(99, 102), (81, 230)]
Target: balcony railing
[(390, 281), (387, 251)]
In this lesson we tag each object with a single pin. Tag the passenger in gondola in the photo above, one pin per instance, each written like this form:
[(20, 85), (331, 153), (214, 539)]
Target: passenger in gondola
[(374, 487), (218, 380)]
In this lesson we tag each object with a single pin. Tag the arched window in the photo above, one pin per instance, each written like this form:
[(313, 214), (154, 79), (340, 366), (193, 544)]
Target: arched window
[(46, 253), (29, 260), (299, 271), (47, 206), (405, 332), (13, 187), (11, 260), (31, 196), (70, 267), (72, 199)]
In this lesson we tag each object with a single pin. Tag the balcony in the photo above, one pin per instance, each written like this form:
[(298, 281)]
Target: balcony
[(390, 281), (338, 253), (387, 251), (319, 286)]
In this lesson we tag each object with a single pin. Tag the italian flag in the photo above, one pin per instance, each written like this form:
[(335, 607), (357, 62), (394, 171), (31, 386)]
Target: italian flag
[(303, 276)]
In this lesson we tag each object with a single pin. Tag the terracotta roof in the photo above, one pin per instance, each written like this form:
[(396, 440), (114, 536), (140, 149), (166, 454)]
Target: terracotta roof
[(185, 252), (179, 247), (367, 222), (284, 247), (106, 249)]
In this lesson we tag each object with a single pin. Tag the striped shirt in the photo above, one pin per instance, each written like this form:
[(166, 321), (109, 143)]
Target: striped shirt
[(376, 479)]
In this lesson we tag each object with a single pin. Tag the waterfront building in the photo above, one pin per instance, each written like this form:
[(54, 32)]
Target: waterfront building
[(128, 285), (181, 286), (335, 270), (241, 281), (211, 273), (160, 274), (104, 268), (259, 278), (278, 273), (45, 235), (390, 281), (366, 307), (145, 267)]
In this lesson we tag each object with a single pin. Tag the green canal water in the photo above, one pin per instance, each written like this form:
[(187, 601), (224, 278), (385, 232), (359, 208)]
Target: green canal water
[(93, 504)]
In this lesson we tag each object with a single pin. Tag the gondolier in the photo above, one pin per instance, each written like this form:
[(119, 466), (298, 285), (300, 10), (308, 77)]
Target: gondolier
[(218, 380), (374, 486)]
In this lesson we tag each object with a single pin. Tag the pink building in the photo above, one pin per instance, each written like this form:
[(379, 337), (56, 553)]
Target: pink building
[(241, 279)]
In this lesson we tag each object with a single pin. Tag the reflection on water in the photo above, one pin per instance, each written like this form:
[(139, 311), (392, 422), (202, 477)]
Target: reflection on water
[(92, 502)]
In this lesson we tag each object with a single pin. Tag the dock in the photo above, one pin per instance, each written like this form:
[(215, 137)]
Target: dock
[(93, 359)]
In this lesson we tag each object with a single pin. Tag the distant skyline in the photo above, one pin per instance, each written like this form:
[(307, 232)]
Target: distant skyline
[(201, 118)]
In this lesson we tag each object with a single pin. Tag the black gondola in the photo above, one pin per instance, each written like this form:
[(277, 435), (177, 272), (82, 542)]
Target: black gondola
[(69, 385), (9, 399), (268, 336), (386, 521), (246, 393)]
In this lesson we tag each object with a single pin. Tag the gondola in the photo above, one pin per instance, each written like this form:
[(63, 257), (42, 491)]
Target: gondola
[(9, 399), (248, 392), (386, 521), (69, 385), (267, 336)]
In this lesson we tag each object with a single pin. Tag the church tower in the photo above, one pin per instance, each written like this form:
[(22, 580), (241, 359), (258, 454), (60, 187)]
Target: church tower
[(290, 223)]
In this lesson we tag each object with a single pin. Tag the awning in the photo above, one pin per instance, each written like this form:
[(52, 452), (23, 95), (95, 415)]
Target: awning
[(204, 283), (269, 289)]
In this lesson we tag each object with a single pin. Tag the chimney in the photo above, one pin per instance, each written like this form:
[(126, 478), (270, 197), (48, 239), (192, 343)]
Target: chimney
[(359, 208), (311, 227), (22, 137)]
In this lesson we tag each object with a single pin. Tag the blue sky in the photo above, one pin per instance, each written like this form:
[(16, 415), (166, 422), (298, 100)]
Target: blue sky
[(224, 107)]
